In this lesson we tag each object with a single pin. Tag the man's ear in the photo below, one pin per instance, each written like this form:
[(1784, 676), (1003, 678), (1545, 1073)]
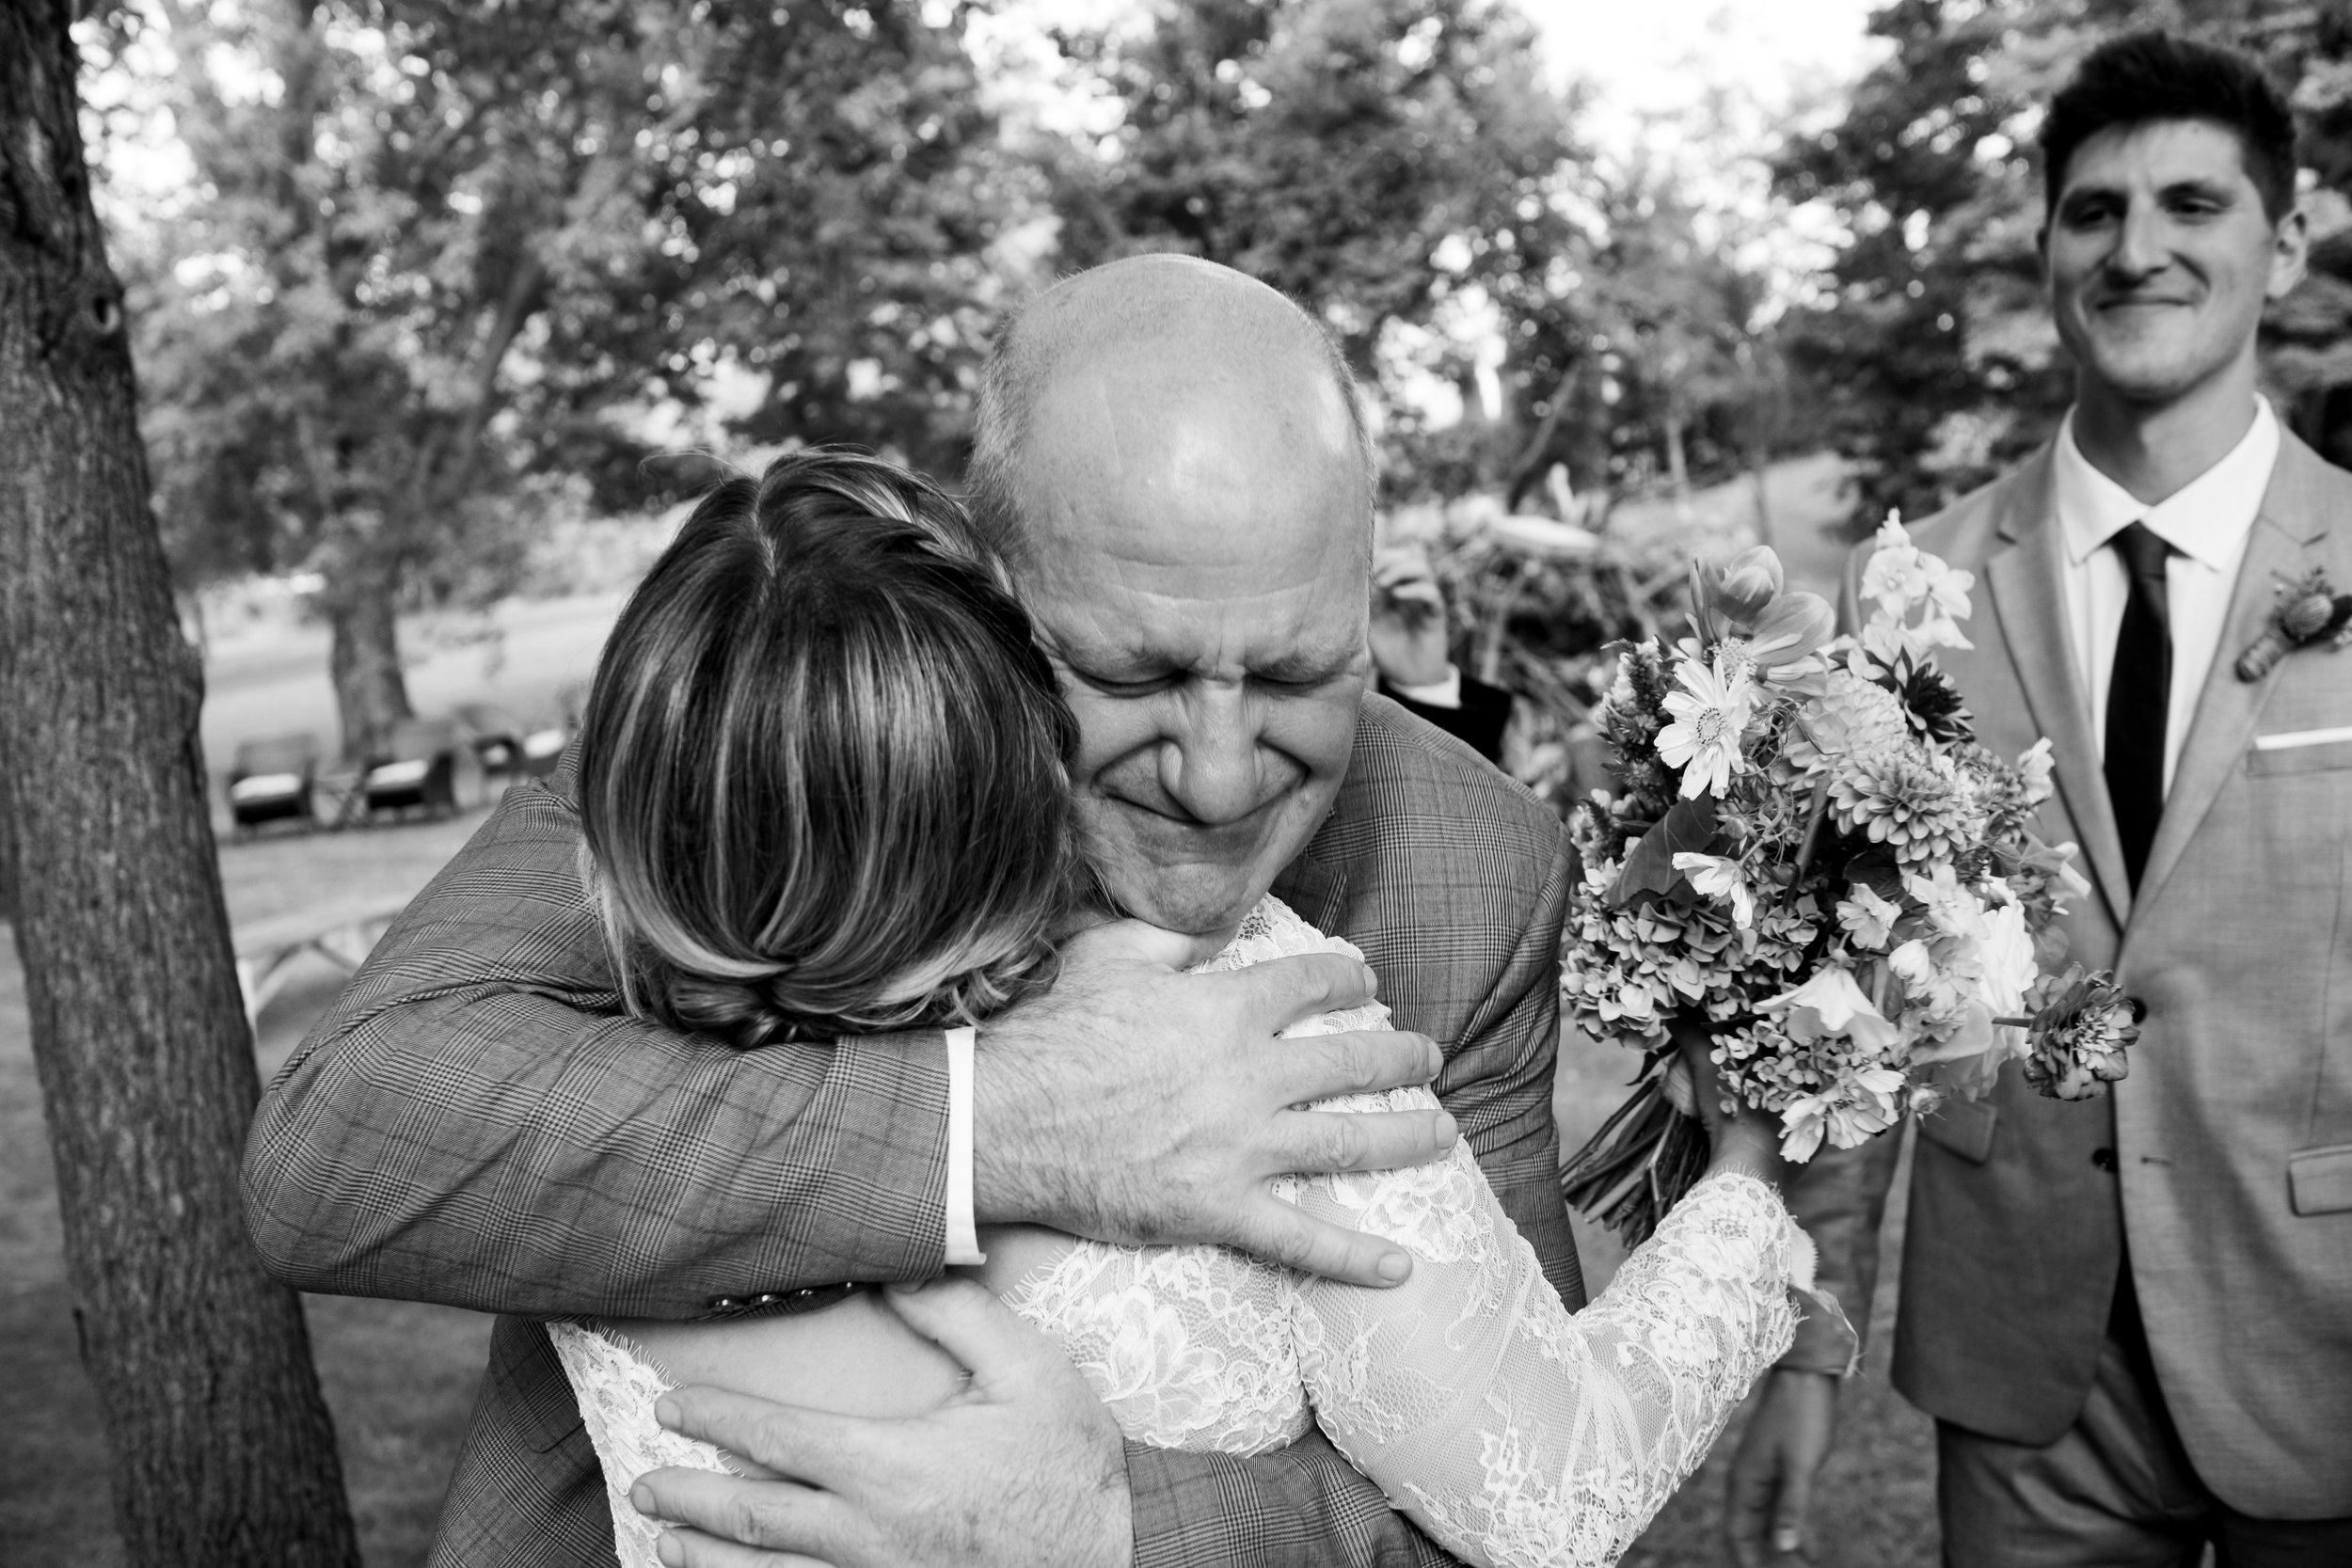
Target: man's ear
[(2042, 249), (2290, 253)]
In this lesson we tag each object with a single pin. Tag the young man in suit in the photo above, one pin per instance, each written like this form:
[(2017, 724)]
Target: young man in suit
[(1171, 457), (2131, 1318)]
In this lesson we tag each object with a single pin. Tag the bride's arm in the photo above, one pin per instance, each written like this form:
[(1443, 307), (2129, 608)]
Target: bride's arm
[(1509, 1429), (853, 1358)]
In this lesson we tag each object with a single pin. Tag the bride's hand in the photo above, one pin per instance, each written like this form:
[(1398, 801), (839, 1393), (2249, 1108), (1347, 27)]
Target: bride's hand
[(1745, 1140)]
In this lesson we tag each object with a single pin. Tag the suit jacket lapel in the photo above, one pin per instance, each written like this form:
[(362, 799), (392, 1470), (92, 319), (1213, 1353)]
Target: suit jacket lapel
[(2290, 523), (2027, 584)]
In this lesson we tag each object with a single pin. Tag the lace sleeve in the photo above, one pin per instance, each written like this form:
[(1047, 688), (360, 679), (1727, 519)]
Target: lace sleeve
[(1510, 1430)]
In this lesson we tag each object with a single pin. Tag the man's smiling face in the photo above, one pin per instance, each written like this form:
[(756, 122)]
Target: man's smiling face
[(2159, 258), (1197, 560)]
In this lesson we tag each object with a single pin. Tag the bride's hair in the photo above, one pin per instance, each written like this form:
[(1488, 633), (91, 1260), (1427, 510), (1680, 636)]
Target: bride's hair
[(821, 769)]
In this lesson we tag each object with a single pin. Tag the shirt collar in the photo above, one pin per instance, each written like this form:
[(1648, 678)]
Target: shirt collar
[(2207, 519)]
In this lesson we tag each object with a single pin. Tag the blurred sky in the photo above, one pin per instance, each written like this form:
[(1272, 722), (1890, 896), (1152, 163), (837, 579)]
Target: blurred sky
[(1659, 57)]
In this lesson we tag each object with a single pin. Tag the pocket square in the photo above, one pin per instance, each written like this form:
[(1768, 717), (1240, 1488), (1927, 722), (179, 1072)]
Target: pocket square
[(2288, 740)]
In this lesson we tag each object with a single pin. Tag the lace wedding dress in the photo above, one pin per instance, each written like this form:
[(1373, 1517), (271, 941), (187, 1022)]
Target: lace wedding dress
[(1509, 1430)]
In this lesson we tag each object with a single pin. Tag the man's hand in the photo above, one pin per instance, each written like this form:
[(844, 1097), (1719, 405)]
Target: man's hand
[(1773, 1474), (1409, 630), (1025, 1467), (1136, 1104)]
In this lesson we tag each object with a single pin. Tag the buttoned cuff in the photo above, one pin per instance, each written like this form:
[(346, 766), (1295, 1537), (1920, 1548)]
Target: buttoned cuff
[(963, 1240), (1444, 693)]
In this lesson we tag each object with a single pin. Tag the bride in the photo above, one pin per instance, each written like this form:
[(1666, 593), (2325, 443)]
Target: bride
[(823, 792)]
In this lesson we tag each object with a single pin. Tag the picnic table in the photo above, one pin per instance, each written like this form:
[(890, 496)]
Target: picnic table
[(343, 932)]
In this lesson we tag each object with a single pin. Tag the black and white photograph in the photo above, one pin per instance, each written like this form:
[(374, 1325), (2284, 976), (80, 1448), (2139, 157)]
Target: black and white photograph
[(1131, 783)]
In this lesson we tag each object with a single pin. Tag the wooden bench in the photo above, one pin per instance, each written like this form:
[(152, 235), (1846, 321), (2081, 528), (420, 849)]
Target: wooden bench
[(342, 932)]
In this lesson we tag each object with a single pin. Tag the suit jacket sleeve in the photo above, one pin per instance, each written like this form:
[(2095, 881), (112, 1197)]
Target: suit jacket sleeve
[(478, 1123), (1498, 1082)]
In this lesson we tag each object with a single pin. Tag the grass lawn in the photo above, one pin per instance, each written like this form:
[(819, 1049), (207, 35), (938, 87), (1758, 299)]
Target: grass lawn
[(399, 1376)]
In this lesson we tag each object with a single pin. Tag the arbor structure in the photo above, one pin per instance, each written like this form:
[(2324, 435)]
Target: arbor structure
[(222, 1445)]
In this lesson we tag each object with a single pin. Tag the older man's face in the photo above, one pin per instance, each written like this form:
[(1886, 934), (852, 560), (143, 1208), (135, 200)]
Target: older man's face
[(1198, 569)]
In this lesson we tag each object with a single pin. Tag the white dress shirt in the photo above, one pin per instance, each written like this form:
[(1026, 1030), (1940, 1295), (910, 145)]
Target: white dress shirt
[(1446, 692), (2206, 522), (963, 1242)]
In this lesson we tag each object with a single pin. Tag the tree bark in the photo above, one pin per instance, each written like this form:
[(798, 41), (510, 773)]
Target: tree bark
[(223, 1451), (363, 660)]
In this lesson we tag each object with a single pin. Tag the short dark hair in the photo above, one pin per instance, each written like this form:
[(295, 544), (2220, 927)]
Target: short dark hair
[(2148, 76), (822, 770)]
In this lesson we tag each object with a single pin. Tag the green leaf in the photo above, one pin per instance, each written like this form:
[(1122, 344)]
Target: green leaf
[(1688, 827)]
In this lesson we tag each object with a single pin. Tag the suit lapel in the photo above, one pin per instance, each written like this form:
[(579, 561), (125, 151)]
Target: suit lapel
[(2291, 522), (2026, 581)]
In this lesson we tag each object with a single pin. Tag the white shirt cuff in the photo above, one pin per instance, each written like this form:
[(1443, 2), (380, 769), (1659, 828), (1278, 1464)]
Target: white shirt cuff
[(1444, 693), (963, 1240)]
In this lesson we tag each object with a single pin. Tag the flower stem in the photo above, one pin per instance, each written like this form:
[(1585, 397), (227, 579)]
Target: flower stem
[(1814, 817)]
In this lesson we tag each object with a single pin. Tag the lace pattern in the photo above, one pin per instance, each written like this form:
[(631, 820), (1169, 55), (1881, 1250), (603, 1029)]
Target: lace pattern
[(616, 1384), (1512, 1431)]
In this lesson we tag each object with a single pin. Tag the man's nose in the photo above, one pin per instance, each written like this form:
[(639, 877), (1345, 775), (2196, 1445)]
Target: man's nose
[(1210, 764), (2139, 248)]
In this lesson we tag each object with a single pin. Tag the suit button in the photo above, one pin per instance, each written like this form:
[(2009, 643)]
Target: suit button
[(2104, 1159), (765, 1299), (725, 1303)]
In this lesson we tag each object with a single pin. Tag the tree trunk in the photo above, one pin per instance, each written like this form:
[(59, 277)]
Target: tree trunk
[(371, 693), (223, 1451), (1677, 462)]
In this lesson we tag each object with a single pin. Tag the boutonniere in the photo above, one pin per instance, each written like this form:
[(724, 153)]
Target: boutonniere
[(2309, 612)]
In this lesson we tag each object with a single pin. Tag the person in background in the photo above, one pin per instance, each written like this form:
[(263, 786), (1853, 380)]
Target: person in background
[(2132, 1322), (1409, 637)]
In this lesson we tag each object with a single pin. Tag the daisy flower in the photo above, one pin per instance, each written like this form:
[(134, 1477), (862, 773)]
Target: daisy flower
[(1711, 714)]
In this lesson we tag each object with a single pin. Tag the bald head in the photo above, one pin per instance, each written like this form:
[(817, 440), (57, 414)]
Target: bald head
[(1171, 456), (1161, 335)]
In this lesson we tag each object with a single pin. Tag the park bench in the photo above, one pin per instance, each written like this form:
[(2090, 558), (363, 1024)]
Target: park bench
[(343, 933)]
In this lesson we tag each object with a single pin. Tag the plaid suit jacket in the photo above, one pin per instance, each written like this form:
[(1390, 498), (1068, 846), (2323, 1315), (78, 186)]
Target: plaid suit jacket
[(477, 1123)]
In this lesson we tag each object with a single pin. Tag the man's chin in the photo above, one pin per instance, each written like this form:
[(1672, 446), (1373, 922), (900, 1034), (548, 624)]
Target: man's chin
[(1195, 901)]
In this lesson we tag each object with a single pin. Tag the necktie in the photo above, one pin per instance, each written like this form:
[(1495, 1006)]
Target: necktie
[(2139, 696)]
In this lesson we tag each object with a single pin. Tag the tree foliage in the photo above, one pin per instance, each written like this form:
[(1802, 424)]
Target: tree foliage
[(444, 257)]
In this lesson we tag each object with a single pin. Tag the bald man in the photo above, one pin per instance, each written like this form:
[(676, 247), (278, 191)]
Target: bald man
[(1172, 458)]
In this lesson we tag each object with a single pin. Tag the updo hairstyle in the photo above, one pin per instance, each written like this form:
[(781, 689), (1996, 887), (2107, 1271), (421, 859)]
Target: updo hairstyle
[(821, 769)]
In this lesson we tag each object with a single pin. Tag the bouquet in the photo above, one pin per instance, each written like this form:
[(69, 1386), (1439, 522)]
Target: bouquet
[(1810, 857)]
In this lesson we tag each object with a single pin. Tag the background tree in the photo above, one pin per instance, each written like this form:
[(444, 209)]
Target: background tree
[(1373, 159), (444, 256), (223, 1451)]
